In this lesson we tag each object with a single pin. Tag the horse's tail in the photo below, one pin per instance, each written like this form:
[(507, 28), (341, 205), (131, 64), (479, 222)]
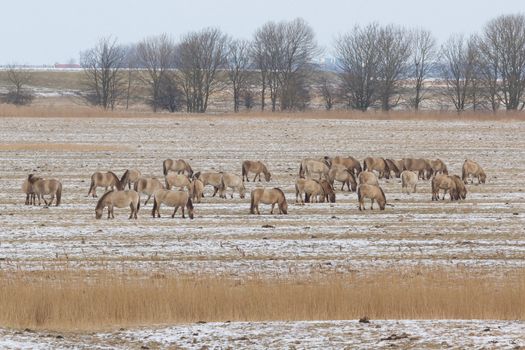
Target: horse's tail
[(243, 170), (136, 186), (59, 194), (189, 203), (359, 194), (301, 170), (155, 206), (164, 167), (168, 186), (463, 173), (92, 186), (252, 203), (445, 170), (364, 165), (138, 204)]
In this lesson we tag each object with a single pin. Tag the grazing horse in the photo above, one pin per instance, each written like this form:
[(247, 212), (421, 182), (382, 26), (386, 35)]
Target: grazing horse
[(314, 191), (471, 168), (106, 180), (268, 196), (129, 177), (196, 190), (309, 167), (409, 181), (27, 188), (119, 199), (342, 174), (231, 181), (41, 187), (377, 164), (148, 186), (177, 180), (461, 190), (372, 192), (438, 166), (392, 166), (352, 164), (257, 167), (179, 166), (210, 178), (419, 165), (172, 199), (445, 183), (368, 177)]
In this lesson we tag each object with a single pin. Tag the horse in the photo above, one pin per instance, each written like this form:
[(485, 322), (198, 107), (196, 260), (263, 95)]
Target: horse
[(119, 199), (257, 167), (234, 182), (438, 166), (41, 187), (368, 177), (377, 164), (309, 167), (196, 190), (129, 177), (409, 181), (352, 164), (445, 183), (177, 180), (106, 180), (372, 192), (419, 165), (210, 178), (392, 166), (179, 166), (470, 167), (148, 186), (342, 174), (314, 191), (172, 199), (268, 196), (461, 190), (27, 188)]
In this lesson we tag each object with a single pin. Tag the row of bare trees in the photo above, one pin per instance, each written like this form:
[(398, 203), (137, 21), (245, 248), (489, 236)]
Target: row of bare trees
[(378, 66)]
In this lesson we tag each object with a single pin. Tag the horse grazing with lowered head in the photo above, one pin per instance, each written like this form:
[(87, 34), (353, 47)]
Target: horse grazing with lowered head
[(409, 181), (43, 187), (368, 177), (438, 166), (196, 190), (108, 179), (177, 199), (130, 177), (27, 188), (234, 182), (118, 199), (341, 174), (448, 184), (393, 167), (471, 168), (177, 180), (148, 186), (314, 191), (180, 166), (350, 163), (377, 164), (373, 193), (213, 179), (270, 196), (419, 165), (257, 167), (312, 167)]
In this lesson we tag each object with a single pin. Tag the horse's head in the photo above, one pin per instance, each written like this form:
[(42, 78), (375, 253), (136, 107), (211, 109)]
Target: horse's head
[(267, 176), (482, 177), (284, 206), (98, 213)]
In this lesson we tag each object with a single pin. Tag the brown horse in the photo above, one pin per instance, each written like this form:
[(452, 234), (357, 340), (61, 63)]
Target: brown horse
[(210, 178), (172, 199), (471, 168), (445, 183), (129, 177), (257, 167), (27, 188), (268, 196), (392, 166), (119, 199), (314, 191), (179, 166), (311, 167), (368, 177), (43, 187), (438, 166), (342, 174), (196, 190), (461, 190), (372, 192), (377, 164), (105, 180), (419, 165), (350, 163), (148, 186)]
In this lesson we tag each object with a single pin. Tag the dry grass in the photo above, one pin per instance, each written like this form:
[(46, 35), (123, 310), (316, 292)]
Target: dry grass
[(59, 147), (67, 300), (80, 111)]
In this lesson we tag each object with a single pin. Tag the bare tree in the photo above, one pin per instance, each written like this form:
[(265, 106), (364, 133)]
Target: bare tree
[(156, 55), (198, 59), (238, 64), (328, 90), (503, 46), (103, 66), (131, 63), (18, 79), (424, 55), (459, 59), (359, 63)]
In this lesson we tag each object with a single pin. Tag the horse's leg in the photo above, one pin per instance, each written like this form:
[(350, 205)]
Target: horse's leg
[(147, 199), (215, 191), (255, 177), (371, 203), (131, 206), (174, 211), (273, 206), (182, 208), (129, 185), (343, 187)]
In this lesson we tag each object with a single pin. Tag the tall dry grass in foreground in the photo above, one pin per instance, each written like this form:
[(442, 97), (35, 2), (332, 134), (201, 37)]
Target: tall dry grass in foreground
[(79, 301)]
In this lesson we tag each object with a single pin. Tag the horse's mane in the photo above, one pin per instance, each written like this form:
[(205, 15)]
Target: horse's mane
[(280, 191), (382, 193), (124, 176), (116, 178), (101, 200)]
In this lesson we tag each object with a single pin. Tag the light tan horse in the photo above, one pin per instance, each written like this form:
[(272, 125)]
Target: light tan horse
[(419, 165), (445, 183), (311, 189), (118, 199), (27, 188), (409, 181), (177, 180), (179, 166), (43, 187), (268, 196), (213, 179), (312, 168), (393, 167), (148, 186), (377, 164), (196, 190), (438, 166), (352, 164), (342, 174), (177, 199), (373, 193), (105, 180), (130, 177), (257, 167), (234, 182), (471, 168), (368, 177)]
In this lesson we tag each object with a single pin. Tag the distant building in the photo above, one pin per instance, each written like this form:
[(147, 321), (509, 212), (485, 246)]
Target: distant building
[(67, 65)]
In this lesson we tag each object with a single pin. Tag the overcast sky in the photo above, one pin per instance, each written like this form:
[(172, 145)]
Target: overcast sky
[(45, 32)]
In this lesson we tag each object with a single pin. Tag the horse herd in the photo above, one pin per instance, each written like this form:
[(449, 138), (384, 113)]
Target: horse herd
[(315, 184)]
